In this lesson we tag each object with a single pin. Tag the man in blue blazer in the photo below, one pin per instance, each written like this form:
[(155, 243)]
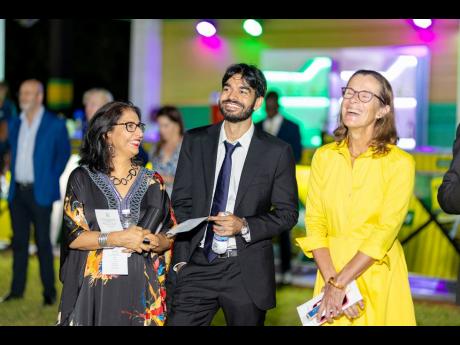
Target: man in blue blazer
[(288, 131), (40, 148)]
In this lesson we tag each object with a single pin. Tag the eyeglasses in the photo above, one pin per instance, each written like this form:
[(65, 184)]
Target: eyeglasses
[(131, 126), (364, 96)]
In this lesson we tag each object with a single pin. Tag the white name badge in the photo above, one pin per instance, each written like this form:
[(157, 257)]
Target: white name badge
[(108, 220), (114, 261)]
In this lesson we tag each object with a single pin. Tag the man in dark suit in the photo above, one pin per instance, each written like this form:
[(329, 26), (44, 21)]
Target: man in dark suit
[(449, 191), (288, 131), (40, 148), (235, 168)]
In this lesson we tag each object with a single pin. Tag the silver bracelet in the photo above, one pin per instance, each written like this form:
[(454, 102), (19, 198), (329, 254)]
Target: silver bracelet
[(102, 240)]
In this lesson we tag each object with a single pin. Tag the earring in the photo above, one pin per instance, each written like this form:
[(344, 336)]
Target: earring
[(111, 150)]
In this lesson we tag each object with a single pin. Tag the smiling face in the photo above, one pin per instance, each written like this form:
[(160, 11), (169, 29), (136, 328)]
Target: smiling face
[(126, 144), (238, 100), (357, 114)]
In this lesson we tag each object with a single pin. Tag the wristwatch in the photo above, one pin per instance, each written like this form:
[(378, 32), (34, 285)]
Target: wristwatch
[(245, 227)]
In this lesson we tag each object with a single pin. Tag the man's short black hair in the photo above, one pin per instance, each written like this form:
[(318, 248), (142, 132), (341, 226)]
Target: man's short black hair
[(272, 95), (251, 74)]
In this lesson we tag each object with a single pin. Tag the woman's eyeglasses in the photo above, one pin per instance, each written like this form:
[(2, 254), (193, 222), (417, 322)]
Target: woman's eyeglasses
[(364, 96), (131, 126)]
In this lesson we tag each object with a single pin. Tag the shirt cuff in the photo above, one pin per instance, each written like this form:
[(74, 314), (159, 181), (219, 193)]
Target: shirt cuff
[(309, 243), (247, 234)]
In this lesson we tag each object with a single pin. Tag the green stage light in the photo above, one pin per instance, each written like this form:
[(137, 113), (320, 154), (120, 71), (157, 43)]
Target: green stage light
[(252, 27)]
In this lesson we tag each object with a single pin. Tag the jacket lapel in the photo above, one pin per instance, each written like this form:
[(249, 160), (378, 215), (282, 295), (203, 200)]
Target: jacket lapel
[(251, 166), (209, 146)]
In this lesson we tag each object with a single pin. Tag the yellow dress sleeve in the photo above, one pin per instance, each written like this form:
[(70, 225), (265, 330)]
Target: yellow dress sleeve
[(315, 219), (398, 191)]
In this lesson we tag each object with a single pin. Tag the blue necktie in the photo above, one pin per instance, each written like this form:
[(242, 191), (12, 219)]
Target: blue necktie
[(219, 202)]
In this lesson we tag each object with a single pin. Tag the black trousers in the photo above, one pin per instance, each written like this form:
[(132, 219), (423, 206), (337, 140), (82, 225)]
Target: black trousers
[(285, 251), (25, 211), (202, 288)]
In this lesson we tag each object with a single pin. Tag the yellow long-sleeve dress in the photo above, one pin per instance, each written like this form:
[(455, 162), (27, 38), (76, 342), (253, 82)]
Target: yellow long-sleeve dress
[(361, 208)]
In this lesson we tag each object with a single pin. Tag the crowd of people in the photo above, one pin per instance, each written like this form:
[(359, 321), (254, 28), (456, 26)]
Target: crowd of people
[(239, 178)]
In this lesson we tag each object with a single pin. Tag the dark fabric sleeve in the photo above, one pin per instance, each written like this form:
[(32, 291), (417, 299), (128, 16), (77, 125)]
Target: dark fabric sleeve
[(449, 191), (182, 198), (74, 220), (297, 143), (284, 213), (169, 219)]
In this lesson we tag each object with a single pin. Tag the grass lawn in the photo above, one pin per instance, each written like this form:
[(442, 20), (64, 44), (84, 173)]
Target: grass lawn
[(30, 310)]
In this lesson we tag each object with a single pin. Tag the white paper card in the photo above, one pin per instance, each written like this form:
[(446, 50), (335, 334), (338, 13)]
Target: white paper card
[(186, 226), (108, 220), (114, 261), (308, 310)]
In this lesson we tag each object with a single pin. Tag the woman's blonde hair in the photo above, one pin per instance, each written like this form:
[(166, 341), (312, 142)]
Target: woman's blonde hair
[(385, 127)]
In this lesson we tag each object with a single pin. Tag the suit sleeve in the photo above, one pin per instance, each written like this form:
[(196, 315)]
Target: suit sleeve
[(182, 198), (284, 212), (297, 144), (449, 191), (62, 148)]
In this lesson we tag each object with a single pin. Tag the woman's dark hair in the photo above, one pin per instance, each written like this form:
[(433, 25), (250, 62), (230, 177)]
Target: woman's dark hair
[(173, 114), (385, 127), (95, 151), (251, 74)]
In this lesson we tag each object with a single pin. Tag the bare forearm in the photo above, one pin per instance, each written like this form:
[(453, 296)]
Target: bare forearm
[(324, 262), (354, 268), (88, 240)]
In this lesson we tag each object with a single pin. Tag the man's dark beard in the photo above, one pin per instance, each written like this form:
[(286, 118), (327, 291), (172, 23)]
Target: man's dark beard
[(246, 114)]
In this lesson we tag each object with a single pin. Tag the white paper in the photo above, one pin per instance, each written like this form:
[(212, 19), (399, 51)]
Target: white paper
[(114, 261), (108, 220), (353, 296), (186, 226)]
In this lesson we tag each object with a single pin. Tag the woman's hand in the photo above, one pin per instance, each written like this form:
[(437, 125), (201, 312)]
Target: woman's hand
[(331, 303), (159, 243), (352, 312), (132, 238)]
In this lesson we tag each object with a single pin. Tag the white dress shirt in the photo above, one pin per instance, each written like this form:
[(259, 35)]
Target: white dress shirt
[(24, 166), (273, 125), (238, 159)]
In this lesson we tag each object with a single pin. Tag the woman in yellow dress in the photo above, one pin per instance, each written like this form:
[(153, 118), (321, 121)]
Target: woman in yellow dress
[(358, 195)]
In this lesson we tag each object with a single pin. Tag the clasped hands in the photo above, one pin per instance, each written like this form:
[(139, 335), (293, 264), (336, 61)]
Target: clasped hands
[(137, 239), (332, 302), (226, 224)]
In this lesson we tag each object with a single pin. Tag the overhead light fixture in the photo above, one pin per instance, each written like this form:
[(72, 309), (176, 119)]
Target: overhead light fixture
[(422, 23), (206, 28), (252, 27)]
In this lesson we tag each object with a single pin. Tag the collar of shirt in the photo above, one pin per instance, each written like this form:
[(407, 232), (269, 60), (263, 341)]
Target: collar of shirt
[(342, 148), (37, 119), (272, 125), (244, 140)]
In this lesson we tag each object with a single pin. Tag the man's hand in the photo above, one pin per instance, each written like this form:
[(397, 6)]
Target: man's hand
[(226, 225)]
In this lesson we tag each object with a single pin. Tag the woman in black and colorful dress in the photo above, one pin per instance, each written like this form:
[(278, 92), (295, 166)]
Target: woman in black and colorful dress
[(109, 177)]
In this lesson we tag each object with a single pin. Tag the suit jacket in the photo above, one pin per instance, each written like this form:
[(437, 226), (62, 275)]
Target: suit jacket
[(290, 133), (51, 152), (267, 197), (449, 191)]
